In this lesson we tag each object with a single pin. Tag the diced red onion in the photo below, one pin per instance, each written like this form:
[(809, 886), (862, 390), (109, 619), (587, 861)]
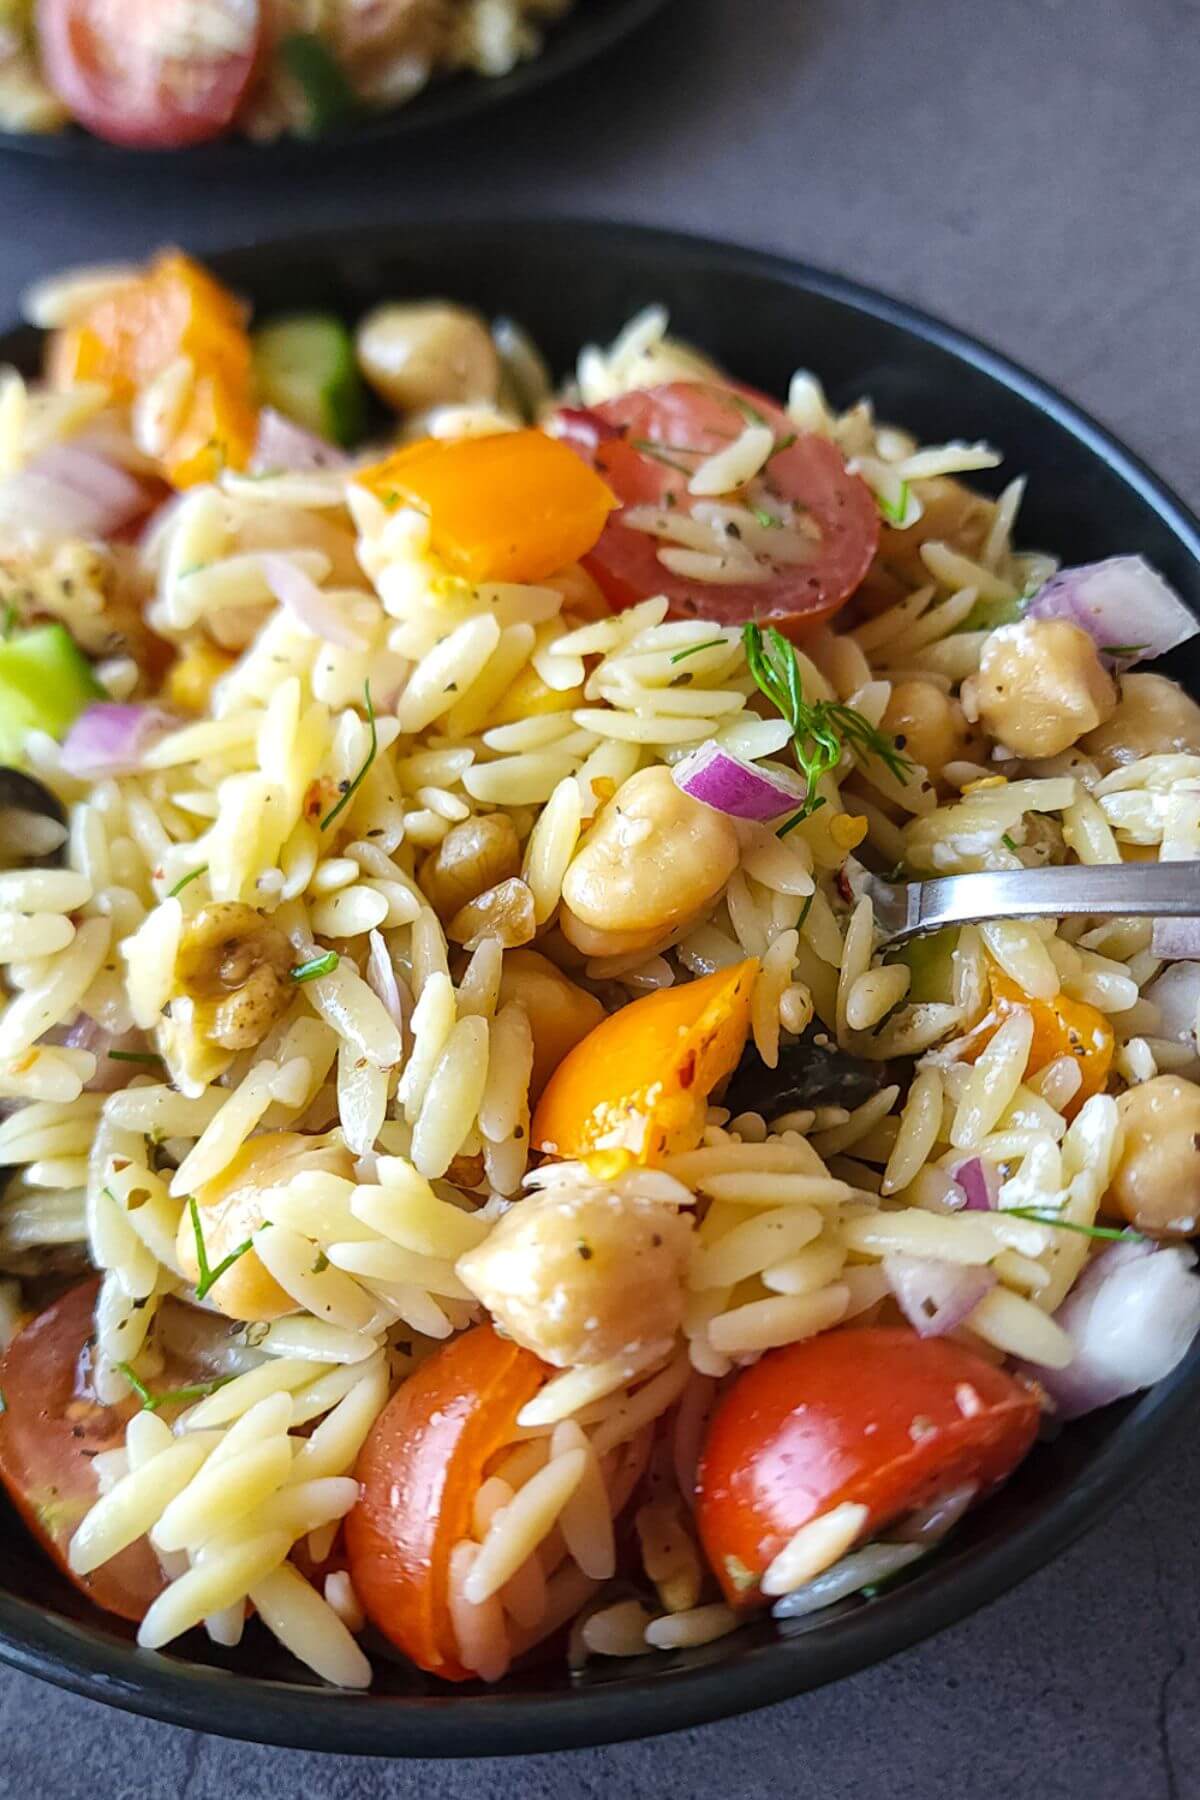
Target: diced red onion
[(934, 1296), (1132, 1317), (874, 1562), (111, 739), (283, 447), (1177, 940), (71, 490), (930, 1523), (1119, 602), (302, 597), (730, 784), (979, 1181), (582, 427), (383, 980), (1176, 993)]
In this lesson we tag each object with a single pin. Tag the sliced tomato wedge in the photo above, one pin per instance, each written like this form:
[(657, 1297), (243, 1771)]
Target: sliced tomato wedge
[(876, 1416), (420, 1469), (647, 444), (151, 74), (50, 1431)]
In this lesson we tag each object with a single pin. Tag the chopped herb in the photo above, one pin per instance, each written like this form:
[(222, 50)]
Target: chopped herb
[(134, 1056), (585, 1251), (744, 407), (894, 513), (805, 910), (1040, 1215), (321, 1264), (353, 786), (648, 448), (785, 443), (1123, 649), (209, 1276), (184, 879), (316, 966), (174, 1396), (768, 520), (10, 619), (821, 729), (695, 649), (1008, 843)]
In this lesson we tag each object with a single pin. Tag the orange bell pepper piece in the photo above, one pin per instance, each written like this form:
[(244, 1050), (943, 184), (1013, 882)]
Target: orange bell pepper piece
[(518, 506), (1061, 1027), (135, 332), (636, 1088)]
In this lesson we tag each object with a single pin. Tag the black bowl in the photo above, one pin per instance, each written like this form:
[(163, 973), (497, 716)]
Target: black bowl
[(591, 28), (1088, 497)]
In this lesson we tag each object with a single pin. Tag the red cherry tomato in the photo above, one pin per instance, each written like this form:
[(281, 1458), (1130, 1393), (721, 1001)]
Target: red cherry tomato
[(876, 1416), (49, 1432), (420, 1470), (646, 446), (152, 74)]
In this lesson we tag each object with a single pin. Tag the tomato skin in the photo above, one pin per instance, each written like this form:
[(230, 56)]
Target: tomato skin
[(48, 1436), (420, 1469), (681, 417), (85, 47), (873, 1415)]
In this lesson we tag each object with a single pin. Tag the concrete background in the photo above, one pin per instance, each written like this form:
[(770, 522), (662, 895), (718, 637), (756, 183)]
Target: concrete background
[(1029, 170)]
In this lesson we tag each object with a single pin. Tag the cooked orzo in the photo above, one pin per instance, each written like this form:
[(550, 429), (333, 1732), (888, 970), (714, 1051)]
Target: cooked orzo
[(474, 1177)]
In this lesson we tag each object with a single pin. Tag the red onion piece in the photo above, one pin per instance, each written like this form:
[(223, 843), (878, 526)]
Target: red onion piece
[(283, 447), (730, 784), (1177, 940), (383, 980), (1122, 603), (71, 490), (1132, 1316), (110, 739), (930, 1523), (934, 1296), (1176, 993), (979, 1181), (304, 600)]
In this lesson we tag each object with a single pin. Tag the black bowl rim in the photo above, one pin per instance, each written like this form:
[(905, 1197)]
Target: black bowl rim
[(569, 44), (79, 1658)]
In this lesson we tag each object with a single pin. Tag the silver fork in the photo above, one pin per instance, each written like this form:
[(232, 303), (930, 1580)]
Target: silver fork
[(1169, 890)]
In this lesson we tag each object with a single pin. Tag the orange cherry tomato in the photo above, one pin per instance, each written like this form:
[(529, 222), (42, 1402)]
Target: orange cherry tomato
[(420, 1469), (647, 444), (876, 1416), (636, 1088), (135, 332), (1061, 1027), (518, 506), (50, 1430)]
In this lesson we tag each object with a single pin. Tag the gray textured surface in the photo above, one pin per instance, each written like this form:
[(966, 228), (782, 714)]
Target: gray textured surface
[(1029, 169)]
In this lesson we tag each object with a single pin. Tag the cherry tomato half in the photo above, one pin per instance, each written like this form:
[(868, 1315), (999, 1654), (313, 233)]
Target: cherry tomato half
[(420, 1469), (875, 1416), (152, 74), (648, 443), (49, 1432)]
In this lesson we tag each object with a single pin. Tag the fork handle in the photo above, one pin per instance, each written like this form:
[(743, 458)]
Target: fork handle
[(1168, 890)]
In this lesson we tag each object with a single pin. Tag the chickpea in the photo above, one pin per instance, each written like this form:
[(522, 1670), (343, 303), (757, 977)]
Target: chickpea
[(427, 353), (1157, 1183), (472, 857), (929, 726), (1154, 717), (231, 1210), (580, 1277), (654, 859), (951, 514), (233, 980), (559, 1013), (1041, 686)]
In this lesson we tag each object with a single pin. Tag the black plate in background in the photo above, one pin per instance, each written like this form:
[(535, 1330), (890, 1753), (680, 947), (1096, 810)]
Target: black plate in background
[(589, 29), (1088, 497)]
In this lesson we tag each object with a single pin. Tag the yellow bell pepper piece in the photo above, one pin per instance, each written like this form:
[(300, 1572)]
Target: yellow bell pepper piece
[(190, 680), (129, 337), (528, 697), (518, 506)]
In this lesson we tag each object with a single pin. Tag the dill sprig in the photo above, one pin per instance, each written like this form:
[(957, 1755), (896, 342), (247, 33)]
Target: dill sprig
[(821, 729)]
